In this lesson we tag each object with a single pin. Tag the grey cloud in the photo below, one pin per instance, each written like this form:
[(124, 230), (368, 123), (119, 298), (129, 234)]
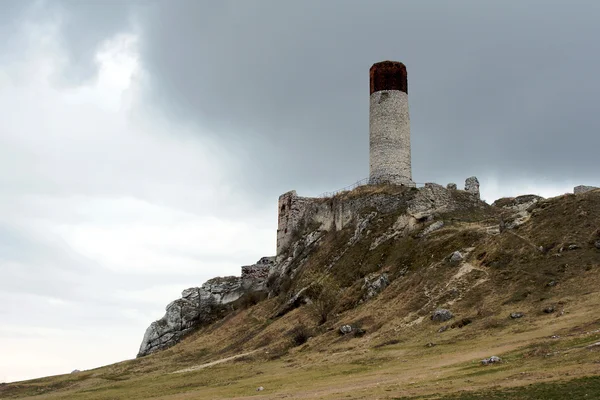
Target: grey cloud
[(494, 89)]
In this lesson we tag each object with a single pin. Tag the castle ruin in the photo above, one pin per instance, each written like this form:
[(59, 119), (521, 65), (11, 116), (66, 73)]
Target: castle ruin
[(389, 156)]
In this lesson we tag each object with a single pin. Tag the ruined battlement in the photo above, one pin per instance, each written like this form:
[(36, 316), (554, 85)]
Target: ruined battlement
[(336, 212)]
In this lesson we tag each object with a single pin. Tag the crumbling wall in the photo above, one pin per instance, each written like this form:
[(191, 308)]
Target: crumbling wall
[(291, 211), (255, 276), (583, 189)]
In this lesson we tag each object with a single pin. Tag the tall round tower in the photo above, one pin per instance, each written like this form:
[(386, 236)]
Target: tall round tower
[(389, 125)]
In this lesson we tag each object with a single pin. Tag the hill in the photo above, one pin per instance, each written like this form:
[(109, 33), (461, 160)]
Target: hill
[(402, 300)]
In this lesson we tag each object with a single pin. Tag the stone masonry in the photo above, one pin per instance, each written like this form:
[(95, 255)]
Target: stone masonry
[(255, 276), (583, 189), (389, 125), (291, 210)]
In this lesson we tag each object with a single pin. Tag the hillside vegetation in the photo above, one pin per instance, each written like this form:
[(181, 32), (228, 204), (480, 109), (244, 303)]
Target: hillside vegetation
[(545, 266)]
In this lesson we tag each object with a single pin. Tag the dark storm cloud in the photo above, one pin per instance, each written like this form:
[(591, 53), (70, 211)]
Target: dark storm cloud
[(495, 88)]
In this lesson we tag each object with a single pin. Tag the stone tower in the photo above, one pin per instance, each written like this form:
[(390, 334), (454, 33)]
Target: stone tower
[(389, 125)]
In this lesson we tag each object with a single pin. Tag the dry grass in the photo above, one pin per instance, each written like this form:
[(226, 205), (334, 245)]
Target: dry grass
[(504, 273)]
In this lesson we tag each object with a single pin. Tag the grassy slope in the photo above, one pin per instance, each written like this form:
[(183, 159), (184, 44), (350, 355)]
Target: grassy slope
[(505, 273)]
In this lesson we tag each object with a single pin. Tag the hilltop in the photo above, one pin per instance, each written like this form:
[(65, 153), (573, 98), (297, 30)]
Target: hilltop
[(400, 297)]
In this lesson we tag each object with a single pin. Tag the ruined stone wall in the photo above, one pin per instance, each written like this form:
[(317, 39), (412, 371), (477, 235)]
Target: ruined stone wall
[(583, 189), (255, 276), (291, 210)]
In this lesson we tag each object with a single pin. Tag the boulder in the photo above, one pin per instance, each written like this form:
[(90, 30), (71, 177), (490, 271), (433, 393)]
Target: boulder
[(345, 329), (597, 244), (456, 257), (441, 315), (491, 360), (451, 186), (516, 315)]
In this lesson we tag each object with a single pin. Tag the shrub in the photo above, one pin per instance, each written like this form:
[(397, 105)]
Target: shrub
[(324, 293), (300, 335)]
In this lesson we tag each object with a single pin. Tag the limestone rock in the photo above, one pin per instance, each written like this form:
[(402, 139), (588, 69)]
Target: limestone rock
[(521, 208), (491, 360), (451, 186), (197, 306), (255, 276), (345, 329), (432, 228), (374, 284), (361, 225), (403, 226), (472, 186), (516, 315), (583, 189), (456, 257), (260, 389), (441, 315)]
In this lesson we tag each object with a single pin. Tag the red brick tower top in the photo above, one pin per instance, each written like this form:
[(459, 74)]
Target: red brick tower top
[(388, 75)]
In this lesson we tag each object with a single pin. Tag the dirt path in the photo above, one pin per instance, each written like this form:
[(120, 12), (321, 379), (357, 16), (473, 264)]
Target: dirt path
[(210, 364)]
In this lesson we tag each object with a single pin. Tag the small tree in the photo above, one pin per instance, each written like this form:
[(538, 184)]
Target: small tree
[(324, 293)]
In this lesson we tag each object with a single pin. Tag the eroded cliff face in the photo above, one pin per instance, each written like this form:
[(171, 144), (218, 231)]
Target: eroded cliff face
[(359, 211), (199, 306)]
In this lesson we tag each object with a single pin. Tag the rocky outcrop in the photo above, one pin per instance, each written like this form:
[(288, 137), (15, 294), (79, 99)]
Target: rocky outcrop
[(254, 277), (519, 209), (373, 284), (298, 215), (304, 221), (456, 257), (491, 360), (472, 186), (202, 305), (441, 315)]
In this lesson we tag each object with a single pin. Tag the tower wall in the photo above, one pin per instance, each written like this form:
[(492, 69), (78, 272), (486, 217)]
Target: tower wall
[(389, 125)]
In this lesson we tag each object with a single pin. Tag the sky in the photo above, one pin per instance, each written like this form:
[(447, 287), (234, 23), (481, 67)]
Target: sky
[(144, 143)]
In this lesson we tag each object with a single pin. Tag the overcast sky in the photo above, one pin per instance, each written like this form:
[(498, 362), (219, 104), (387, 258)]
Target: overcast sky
[(143, 144)]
